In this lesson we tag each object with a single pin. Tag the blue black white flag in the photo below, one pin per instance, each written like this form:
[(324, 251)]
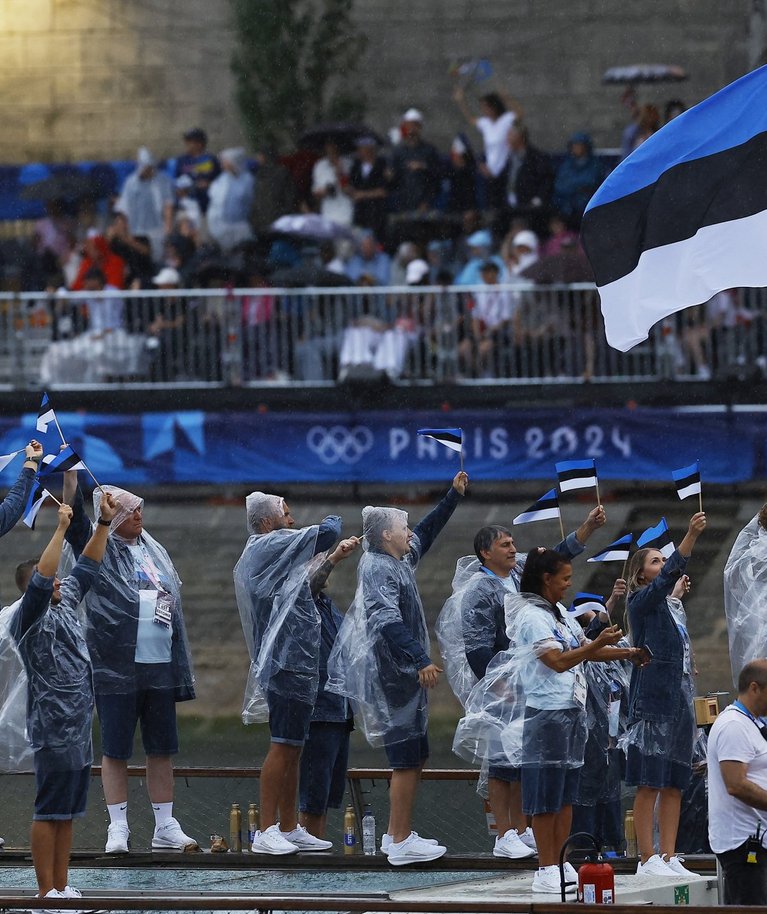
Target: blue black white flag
[(5, 459), (546, 508), (45, 415), (586, 602), (450, 437), (66, 459), (576, 474), (35, 501), (687, 480), (685, 215), (657, 537), (615, 552)]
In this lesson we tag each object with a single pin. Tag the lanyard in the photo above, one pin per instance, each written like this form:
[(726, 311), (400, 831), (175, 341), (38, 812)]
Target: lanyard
[(742, 709)]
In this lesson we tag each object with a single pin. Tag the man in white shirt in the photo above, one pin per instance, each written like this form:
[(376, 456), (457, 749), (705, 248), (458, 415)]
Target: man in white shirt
[(737, 789)]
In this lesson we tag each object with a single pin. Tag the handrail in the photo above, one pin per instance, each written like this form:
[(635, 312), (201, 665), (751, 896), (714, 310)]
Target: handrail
[(353, 774)]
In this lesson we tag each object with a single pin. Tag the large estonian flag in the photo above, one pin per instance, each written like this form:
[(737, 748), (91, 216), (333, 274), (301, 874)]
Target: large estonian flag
[(687, 480), (546, 508), (657, 537), (685, 215), (615, 552), (450, 437), (576, 474)]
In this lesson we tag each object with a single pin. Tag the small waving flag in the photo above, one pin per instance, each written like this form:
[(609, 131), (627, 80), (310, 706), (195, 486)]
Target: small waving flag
[(65, 460), (45, 415), (586, 602), (450, 437), (615, 552), (35, 501), (687, 480), (576, 474), (7, 458), (546, 508), (657, 537)]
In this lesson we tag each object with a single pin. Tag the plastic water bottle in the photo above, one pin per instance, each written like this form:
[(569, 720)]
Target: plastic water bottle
[(368, 833)]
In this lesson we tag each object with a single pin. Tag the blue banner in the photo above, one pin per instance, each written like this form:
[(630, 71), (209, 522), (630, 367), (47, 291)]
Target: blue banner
[(258, 448)]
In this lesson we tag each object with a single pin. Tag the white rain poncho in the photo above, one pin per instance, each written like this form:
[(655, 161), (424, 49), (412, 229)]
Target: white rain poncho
[(745, 596), (523, 713), (384, 642), (56, 673), (113, 604), (279, 619), (15, 750), (449, 627)]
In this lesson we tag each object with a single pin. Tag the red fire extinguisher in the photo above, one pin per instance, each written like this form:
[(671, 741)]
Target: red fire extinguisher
[(596, 878), (596, 881)]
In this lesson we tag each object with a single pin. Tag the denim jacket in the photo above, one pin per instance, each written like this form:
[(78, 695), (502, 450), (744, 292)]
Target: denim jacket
[(654, 689)]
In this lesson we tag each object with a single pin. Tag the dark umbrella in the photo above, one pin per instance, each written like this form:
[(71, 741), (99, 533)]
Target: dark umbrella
[(63, 186), (344, 135), (644, 73), (307, 275), (568, 266), (310, 225)]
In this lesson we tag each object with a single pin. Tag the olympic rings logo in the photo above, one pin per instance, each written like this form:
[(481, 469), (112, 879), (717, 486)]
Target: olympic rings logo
[(339, 443)]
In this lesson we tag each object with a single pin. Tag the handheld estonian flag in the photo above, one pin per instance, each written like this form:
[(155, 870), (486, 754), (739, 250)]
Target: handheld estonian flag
[(65, 460), (546, 508), (685, 215), (35, 501), (7, 458), (576, 474), (615, 552), (657, 537), (586, 602), (450, 437), (687, 480), (45, 415)]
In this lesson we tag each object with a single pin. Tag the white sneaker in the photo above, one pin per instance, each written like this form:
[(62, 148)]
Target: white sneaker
[(546, 881), (510, 846), (54, 893), (271, 841), (305, 841), (675, 864), (528, 838), (70, 892), (414, 850), (655, 866), (2, 842), (571, 874), (118, 838), (386, 841), (170, 835)]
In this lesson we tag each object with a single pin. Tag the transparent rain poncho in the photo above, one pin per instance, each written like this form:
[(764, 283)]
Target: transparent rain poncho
[(260, 506), (15, 750), (113, 604), (280, 621), (449, 627), (57, 682), (522, 713), (745, 596), (383, 640)]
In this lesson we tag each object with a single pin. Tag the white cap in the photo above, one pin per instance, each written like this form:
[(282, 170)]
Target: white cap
[(526, 239), (184, 181), (416, 270), (413, 114), (144, 157), (167, 276)]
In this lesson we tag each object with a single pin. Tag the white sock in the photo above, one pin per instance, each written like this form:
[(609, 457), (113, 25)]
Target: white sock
[(162, 812), (118, 813)]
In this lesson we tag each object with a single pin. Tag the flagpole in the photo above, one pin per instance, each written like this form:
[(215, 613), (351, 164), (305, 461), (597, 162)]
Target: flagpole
[(700, 491), (561, 525), (87, 470), (625, 564), (596, 485), (55, 419), (461, 453), (54, 498)]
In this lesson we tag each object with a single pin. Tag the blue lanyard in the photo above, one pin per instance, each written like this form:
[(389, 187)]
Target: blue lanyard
[(742, 709)]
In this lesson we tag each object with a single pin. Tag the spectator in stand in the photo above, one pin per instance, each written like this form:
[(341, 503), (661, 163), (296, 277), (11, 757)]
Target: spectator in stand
[(646, 123), (105, 315), (461, 175), (519, 251), (416, 167), (369, 187), (487, 327), (167, 330), (369, 261), (97, 255), (529, 181), (147, 201), (406, 253), (187, 206), (577, 178), (480, 244), (673, 108), (258, 329), (560, 236), (275, 195), (231, 200), (497, 117), (201, 166), (344, 251), (330, 182), (135, 251)]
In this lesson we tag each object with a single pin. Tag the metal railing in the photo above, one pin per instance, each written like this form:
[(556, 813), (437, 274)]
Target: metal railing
[(510, 334)]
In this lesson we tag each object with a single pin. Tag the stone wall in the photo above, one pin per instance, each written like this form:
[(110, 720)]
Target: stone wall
[(95, 78)]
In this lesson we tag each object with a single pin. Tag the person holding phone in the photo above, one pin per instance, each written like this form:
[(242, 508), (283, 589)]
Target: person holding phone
[(661, 712)]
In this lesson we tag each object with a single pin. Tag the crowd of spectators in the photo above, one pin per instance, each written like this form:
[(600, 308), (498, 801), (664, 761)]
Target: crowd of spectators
[(492, 209)]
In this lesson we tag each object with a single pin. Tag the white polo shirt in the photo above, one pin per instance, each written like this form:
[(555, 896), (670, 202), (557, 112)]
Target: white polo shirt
[(734, 737)]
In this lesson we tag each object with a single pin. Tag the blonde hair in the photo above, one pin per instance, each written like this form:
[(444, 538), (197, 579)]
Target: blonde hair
[(635, 581)]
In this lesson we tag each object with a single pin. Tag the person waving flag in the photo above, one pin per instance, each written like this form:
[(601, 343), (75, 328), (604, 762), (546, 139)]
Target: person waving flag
[(685, 215)]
